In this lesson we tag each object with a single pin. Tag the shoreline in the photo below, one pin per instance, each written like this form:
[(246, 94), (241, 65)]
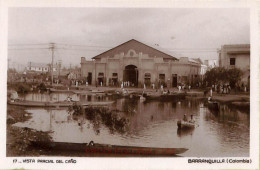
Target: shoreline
[(18, 139)]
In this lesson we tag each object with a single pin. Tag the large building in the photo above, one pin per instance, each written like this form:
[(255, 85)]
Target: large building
[(236, 56), (139, 64)]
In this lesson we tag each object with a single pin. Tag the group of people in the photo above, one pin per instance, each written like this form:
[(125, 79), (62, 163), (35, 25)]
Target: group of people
[(126, 84), (183, 87), (226, 88), (185, 119)]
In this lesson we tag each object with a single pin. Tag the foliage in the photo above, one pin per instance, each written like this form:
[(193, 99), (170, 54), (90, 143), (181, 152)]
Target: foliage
[(76, 109), (234, 76), (98, 115), (42, 87), (12, 70), (21, 145), (221, 75), (22, 88)]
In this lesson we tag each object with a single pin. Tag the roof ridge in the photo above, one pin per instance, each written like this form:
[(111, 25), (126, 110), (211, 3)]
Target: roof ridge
[(162, 50)]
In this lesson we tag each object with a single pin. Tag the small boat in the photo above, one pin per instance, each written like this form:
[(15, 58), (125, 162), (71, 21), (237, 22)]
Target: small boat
[(60, 90), (57, 104), (97, 91), (185, 124), (213, 105), (167, 97), (93, 149)]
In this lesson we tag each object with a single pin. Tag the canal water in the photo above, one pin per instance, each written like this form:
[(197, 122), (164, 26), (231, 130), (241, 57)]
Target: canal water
[(151, 124)]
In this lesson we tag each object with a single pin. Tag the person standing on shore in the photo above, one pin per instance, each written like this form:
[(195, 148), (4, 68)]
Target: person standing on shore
[(161, 87), (179, 88)]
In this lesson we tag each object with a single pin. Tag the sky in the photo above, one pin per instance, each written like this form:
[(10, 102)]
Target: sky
[(87, 32)]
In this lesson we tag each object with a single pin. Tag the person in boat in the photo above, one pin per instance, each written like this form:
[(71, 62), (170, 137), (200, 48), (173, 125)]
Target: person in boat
[(185, 118), (191, 119)]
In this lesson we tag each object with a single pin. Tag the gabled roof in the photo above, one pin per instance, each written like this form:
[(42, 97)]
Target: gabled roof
[(168, 54), (196, 60)]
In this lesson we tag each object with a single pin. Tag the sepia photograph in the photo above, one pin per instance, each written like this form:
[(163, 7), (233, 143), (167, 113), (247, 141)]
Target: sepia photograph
[(128, 82)]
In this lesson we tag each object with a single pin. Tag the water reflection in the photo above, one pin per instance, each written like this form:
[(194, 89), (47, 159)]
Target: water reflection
[(184, 132), (152, 124)]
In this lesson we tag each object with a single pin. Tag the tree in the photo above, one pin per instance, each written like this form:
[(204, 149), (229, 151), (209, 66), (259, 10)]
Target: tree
[(221, 75), (234, 76)]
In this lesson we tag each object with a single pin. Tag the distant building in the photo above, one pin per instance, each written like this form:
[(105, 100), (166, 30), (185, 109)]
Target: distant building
[(138, 64), (236, 56), (39, 67), (211, 63)]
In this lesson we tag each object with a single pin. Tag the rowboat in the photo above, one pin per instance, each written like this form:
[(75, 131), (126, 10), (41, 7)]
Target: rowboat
[(167, 97), (57, 104), (97, 91), (213, 105), (60, 90), (185, 124), (93, 149)]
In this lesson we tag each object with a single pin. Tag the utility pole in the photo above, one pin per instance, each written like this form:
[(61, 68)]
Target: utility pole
[(52, 58), (59, 65)]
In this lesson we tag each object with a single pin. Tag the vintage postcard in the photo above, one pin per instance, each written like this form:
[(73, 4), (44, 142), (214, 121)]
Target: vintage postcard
[(176, 85)]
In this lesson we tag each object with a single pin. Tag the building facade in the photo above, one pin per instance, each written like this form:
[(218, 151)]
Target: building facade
[(236, 56), (211, 63), (39, 67), (138, 64)]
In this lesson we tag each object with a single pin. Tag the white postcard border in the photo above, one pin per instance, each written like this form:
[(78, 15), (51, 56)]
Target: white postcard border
[(140, 163)]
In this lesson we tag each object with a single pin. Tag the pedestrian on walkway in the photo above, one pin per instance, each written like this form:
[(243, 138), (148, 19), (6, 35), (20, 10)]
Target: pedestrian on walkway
[(179, 88)]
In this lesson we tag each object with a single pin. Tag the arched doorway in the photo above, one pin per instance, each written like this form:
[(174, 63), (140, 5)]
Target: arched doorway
[(131, 75)]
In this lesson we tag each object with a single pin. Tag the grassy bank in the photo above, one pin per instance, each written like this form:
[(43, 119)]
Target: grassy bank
[(18, 139)]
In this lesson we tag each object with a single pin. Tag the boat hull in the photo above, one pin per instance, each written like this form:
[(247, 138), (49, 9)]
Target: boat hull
[(185, 125), (109, 150), (213, 105), (169, 97), (57, 104)]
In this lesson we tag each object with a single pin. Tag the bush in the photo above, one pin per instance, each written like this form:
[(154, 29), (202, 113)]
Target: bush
[(42, 87), (98, 115), (23, 88), (221, 75)]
